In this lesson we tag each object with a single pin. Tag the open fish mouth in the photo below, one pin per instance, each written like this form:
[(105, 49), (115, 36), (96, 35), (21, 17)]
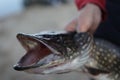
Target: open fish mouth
[(38, 54)]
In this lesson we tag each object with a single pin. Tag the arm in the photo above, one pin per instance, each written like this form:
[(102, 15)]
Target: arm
[(101, 3), (90, 14)]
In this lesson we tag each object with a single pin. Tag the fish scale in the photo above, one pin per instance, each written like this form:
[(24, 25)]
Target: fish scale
[(63, 52), (107, 57)]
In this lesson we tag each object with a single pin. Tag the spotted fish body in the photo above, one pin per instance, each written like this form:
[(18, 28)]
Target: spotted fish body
[(62, 52), (107, 57)]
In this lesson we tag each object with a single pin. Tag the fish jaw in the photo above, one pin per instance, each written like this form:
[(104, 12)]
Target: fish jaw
[(43, 54), (53, 52)]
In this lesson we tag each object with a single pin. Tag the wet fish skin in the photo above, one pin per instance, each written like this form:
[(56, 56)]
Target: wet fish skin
[(85, 53), (60, 43), (107, 56)]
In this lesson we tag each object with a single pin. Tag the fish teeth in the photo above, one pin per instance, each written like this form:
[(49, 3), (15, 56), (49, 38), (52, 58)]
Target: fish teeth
[(31, 44), (53, 63)]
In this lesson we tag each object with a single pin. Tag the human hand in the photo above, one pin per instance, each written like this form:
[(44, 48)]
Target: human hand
[(88, 19)]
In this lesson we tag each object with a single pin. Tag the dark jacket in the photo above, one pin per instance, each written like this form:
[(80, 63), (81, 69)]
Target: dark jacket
[(110, 29)]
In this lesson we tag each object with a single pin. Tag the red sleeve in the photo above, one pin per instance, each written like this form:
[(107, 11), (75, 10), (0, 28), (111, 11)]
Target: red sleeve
[(100, 3)]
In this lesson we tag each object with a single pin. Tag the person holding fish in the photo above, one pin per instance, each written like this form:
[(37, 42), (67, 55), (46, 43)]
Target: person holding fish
[(101, 17)]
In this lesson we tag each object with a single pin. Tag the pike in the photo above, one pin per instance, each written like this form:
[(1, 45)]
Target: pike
[(62, 52)]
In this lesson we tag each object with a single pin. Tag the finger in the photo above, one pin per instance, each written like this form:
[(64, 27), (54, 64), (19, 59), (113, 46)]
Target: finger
[(81, 29), (83, 26), (71, 26), (95, 25)]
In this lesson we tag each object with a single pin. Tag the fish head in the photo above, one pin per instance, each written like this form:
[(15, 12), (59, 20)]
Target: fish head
[(49, 52)]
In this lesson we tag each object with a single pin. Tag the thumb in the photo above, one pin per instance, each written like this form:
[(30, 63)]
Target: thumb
[(82, 27), (71, 26)]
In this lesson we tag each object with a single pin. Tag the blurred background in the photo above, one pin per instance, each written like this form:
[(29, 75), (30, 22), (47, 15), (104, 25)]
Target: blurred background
[(30, 16)]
